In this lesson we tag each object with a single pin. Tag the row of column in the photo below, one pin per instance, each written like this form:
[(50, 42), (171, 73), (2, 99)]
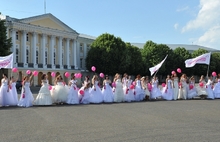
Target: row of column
[(43, 46)]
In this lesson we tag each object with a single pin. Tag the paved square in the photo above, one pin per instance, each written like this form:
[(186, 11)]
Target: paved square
[(182, 121)]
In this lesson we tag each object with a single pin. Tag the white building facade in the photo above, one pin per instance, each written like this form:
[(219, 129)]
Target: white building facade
[(46, 44)]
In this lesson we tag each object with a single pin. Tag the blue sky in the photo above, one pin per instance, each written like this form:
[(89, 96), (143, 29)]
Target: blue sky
[(136, 21)]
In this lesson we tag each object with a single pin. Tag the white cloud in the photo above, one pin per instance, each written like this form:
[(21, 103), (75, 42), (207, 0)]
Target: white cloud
[(176, 26), (182, 9), (207, 21), (208, 16)]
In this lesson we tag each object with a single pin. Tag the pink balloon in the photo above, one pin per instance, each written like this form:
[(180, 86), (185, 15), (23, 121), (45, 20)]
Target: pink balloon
[(79, 75), (14, 70), (132, 87), (163, 84), (149, 86), (53, 74), (50, 87), (134, 83), (101, 75), (67, 74), (113, 84), (81, 92), (93, 68), (201, 84), (191, 86), (173, 72), (28, 72), (35, 73), (214, 74), (179, 70)]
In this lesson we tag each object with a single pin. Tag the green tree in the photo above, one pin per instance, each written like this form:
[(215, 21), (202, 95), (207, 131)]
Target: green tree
[(5, 42), (199, 69), (153, 54), (134, 60), (180, 56), (215, 63), (108, 55)]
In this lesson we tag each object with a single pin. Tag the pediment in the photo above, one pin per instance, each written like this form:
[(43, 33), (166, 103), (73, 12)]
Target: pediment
[(48, 21)]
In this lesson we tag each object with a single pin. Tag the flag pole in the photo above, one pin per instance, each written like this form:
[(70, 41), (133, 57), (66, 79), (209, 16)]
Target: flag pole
[(207, 75)]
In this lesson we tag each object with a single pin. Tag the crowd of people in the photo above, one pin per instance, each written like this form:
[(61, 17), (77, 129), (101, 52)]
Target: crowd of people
[(120, 89)]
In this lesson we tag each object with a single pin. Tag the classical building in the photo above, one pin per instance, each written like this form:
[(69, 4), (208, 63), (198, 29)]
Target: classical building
[(46, 44)]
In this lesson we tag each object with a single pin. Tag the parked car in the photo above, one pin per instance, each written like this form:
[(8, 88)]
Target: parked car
[(19, 85)]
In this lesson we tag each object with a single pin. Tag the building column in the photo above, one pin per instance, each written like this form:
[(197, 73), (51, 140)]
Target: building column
[(84, 55), (67, 53), (34, 40), (24, 48), (13, 37), (51, 51), (43, 46), (60, 52), (74, 53)]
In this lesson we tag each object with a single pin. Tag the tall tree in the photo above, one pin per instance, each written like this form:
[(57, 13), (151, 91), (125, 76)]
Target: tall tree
[(5, 42), (108, 54), (215, 63)]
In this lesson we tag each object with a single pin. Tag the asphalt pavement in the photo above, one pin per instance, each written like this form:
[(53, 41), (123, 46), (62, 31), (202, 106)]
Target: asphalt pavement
[(154, 121)]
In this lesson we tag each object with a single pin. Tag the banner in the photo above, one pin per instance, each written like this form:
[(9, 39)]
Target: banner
[(202, 59), (157, 67), (6, 61)]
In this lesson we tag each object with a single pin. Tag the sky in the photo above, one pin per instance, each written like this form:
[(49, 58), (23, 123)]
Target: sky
[(136, 21)]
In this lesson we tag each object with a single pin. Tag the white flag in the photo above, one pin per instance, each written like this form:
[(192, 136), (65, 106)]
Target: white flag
[(6, 61), (157, 67), (202, 59)]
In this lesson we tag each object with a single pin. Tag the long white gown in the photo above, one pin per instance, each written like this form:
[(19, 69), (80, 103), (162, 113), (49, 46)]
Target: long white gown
[(192, 91), (175, 88), (155, 92), (59, 93), (96, 94), (167, 92), (183, 90), (85, 98), (26, 98), (119, 94), (201, 90), (145, 89), (129, 93), (14, 94), (209, 90), (139, 94), (107, 92), (216, 89), (44, 96), (73, 94), (5, 95)]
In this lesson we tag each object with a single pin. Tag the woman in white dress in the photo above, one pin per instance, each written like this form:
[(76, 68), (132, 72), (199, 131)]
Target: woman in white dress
[(59, 92), (107, 91), (155, 92), (183, 87), (5, 96), (144, 83), (44, 96), (167, 92), (124, 83), (72, 94), (95, 93), (85, 97), (192, 90), (26, 98), (119, 93), (139, 93), (175, 86), (13, 91), (209, 86), (201, 89), (129, 92), (216, 89)]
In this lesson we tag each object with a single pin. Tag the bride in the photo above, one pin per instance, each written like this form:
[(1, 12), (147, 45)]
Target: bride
[(44, 96), (119, 94)]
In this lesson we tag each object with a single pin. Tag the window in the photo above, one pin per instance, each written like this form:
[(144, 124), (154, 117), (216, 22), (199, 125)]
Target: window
[(81, 62), (16, 35), (27, 37), (36, 56), (27, 54), (46, 57), (54, 57), (81, 47), (17, 51)]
